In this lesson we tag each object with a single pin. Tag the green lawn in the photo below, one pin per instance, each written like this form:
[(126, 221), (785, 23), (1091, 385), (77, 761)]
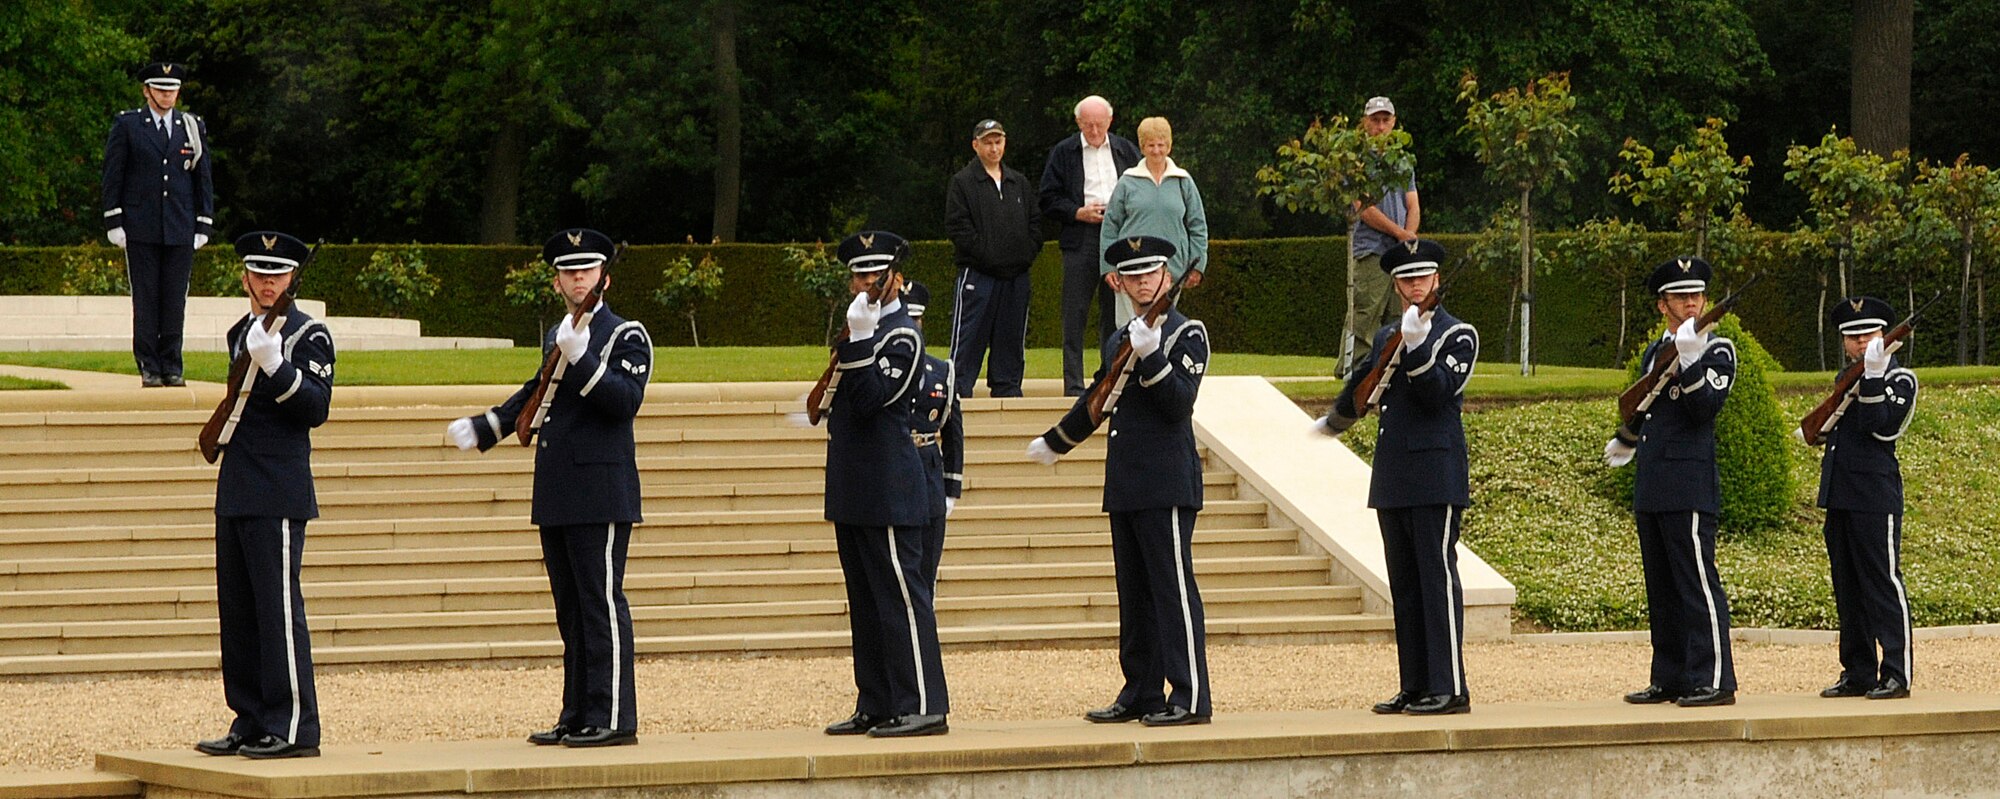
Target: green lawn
[(10, 383)]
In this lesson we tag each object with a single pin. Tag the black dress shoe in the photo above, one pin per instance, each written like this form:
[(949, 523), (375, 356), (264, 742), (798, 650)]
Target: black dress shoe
[(1707, 697), (1891, 688), (1395, 704), (150, 380), (272, 747), (910, 726), (550, 736), (1440, 705), (857, 724), (1173, 716), (1653, 695), (1115, 713), (225, 745), (1845, 687), (172, 380), (600, 736)]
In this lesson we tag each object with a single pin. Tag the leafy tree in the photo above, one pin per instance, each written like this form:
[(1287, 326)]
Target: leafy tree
[(1525, 137), (1962, 201), (1336, 169), (1698, 182), (398, 278), (1853, 195), (686, 284), (528, 286), (822, 276), (64, 72), (1613, 246)]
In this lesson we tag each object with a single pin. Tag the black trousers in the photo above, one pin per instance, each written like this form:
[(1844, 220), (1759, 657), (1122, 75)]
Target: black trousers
[(897, 670), (1684, 598), (586, 565), (1420, 546), (1161, 637), (1865, 551), (159, 275), (267, 672), (1081, 281), (990, 312)]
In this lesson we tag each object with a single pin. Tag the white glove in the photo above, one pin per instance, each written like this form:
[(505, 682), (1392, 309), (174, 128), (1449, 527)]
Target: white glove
[(862, 318), (1145, 337), (1799, 434), (951, 504), (572, 340), (263, 346), (116, 236), (1875, 359), (1617, 453), (1416, 328), (1039, 452), (460, 432), (200, 240), (1690, 343)]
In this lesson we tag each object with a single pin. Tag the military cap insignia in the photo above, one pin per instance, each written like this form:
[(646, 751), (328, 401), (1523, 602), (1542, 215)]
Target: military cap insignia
[(1685, 264), (1855, 304), (270, 242), (167, 68), (867, 239), (1132, 242), (575, 238), (1412, 245)]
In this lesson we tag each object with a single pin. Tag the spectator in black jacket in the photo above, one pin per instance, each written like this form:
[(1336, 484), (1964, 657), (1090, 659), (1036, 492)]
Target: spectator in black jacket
[(991, 220), (1076, 184)]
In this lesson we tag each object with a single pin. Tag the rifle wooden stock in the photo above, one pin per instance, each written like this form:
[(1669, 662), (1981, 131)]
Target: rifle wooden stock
[(1638, 397), (1103, 395), (1817, 423), (820, 398), (221, 425), (554, 365), (1369, 390)]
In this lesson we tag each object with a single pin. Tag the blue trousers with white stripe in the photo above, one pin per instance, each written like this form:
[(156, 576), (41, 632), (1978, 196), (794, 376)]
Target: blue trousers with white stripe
[(990, 312), (1865, 551), (586, 565), (1684, 599), (1161, 637), (267, 673), (897, 671), (1420, 546)]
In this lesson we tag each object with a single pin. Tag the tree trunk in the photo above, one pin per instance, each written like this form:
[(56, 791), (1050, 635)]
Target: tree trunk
[(1624, 318), (1701, 239), (728, 122), (1347, 319), (1879, 97), (1979, 299), (500, 208), (1527, 281), (1910, 296), (1819, 331), (1964, 295), (693, 332)]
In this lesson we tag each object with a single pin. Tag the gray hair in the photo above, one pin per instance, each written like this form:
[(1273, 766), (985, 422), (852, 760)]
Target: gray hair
[(1092, 99)]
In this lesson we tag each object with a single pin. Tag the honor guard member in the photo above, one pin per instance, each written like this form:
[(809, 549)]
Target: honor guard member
[(1419, 484), (1677, 495), (1861, 488), (586, 491), (159, 214), (877, 499), (938, 429), (263, 498), (1152, 490)]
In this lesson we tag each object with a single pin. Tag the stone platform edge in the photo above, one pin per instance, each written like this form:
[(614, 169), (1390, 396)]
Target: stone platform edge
[(68, 785), (681, 759)]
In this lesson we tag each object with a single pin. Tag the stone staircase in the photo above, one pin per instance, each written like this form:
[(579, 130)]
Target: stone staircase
[(104, 324), (424, 552)]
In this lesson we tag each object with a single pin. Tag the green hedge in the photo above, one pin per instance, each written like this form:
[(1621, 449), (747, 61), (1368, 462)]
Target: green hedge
[(1277, 296)]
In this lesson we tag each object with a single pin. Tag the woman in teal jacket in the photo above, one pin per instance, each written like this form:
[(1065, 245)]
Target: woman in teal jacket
[(1157, 198)]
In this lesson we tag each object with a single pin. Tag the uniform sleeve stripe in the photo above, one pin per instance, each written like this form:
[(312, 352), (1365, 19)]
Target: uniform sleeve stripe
[(113, 212), (857, 364), (493, 422), (1147, 382), (298, 379), (602, 364)]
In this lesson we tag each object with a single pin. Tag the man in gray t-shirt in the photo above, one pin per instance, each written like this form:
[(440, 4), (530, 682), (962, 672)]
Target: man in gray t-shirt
[(1391, 219)]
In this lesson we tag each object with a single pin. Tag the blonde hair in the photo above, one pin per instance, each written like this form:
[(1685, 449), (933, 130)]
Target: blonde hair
[(1152, 128)]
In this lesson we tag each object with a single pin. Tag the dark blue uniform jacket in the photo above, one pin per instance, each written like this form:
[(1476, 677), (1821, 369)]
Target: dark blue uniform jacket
[(1676, 457), (1859, 471), (267, 464), (1420, 443), (154, 186), (874, 476), (1150, 461), (935, 411)]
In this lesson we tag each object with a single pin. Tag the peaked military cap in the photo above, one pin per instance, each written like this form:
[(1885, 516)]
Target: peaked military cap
[(577, 248), (163, 75), (268, 252), (1413, 258), (873, 251), (1856, 315), (915, 297), (1681, 274), (1137, 255)]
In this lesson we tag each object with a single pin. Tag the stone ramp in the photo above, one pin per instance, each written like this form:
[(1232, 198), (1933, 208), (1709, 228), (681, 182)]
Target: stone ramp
[(1791, 745), (104, 324)]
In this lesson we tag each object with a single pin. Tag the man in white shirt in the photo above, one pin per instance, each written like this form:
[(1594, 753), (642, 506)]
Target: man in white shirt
[(1076, 184)]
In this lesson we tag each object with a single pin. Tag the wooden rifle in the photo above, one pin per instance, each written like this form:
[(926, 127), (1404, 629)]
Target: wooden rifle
[(1103, 395), (1376, 381), (554, 366), (1665, 367), (1814, 427), (820, 399), (221, 426)]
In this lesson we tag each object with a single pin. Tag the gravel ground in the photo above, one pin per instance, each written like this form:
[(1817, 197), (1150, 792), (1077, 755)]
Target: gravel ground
[(60, 723)]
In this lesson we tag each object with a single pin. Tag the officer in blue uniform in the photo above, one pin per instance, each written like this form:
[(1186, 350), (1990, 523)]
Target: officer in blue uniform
[(263, 498), (159, 215), (877, 499), (1677, 495), (1152, 490), (586, 490), (1861, 488), (938, 430), (1419, 485)]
